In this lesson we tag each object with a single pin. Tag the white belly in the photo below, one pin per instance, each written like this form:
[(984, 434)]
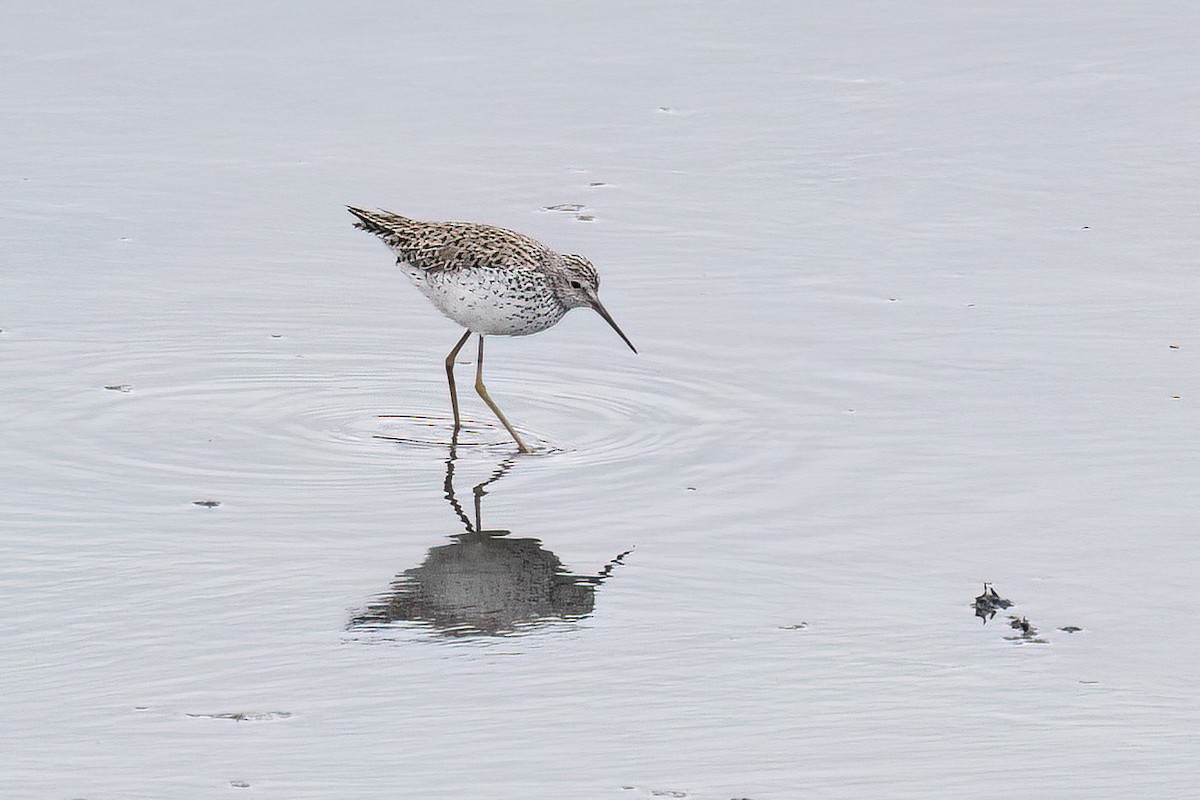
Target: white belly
[(488, 302)]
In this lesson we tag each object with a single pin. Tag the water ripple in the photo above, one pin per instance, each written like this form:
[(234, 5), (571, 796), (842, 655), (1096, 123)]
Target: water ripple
[(169, 409)]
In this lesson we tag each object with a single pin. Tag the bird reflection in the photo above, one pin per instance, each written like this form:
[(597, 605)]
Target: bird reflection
[(485, 582)]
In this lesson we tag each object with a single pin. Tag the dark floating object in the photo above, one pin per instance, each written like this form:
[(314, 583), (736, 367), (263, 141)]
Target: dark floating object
[(569, 208), (120, 387), (1071, 629), (1028, 633), (799, 626), (988, 603), (206, 503)]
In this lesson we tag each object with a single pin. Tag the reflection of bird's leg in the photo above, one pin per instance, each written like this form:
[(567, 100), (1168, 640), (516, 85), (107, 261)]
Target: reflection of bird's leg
[(450, 378), (479, 387), (481, 489), (448, 486), (478, 514)]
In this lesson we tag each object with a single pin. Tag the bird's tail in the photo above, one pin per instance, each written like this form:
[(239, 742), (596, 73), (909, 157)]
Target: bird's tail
[(384, 224)]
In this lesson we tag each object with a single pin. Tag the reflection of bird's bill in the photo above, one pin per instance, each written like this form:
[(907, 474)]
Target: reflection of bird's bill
[(602, 312)]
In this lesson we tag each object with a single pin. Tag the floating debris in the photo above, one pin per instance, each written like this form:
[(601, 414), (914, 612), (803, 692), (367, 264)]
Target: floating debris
[(586, 217), (206, 503), (240, 784), (1028, 633), (988, 603), (1071, 629), (566, 208), (243, 716), (597, 183), (120, 387), (1173, 346), (799, 626)]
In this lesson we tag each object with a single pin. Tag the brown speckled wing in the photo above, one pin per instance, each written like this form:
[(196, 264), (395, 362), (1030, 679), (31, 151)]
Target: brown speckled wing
[(453, 245)]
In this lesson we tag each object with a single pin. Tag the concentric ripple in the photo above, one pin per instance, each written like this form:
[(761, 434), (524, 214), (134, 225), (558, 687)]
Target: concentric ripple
[(255, 415)]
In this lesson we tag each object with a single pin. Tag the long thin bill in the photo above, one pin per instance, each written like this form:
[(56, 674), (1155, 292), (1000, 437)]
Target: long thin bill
[(600, 310)]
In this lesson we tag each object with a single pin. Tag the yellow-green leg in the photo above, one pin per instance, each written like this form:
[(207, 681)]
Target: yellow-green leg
[(479, 387), (450, 377)]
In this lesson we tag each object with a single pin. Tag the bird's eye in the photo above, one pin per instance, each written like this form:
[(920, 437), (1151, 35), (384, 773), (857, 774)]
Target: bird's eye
[(576, 285)]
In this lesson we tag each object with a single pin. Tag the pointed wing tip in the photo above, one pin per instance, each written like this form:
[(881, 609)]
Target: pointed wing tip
[(378, 222)]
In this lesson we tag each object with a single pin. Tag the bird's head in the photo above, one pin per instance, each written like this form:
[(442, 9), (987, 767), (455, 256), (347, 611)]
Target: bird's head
[(579, 282), (578, 287)]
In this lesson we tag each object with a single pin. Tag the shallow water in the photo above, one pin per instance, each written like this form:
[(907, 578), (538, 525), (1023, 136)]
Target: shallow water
[(913, 295)]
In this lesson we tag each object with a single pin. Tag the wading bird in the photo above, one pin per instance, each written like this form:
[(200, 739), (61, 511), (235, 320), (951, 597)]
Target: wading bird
[(492, 281)]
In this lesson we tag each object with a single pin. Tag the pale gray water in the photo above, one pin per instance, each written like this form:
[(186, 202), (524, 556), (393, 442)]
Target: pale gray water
[(906, 282)]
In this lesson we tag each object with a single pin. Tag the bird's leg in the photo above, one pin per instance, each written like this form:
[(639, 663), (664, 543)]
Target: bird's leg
[(479, 387), (450, 378)]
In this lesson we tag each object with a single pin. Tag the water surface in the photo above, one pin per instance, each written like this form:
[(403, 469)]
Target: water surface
[(913, 295)]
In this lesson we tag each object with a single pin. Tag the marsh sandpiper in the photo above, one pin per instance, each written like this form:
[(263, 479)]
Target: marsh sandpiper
[(492, 281)]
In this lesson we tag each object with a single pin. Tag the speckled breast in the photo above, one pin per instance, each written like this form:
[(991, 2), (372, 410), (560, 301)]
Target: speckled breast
[(495, 302)]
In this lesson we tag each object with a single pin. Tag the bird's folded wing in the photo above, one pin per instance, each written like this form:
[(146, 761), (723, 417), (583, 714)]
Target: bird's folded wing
[(453, 245)]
